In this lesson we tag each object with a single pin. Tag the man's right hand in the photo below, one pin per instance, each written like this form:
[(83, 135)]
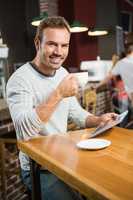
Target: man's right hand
[(68, 86)]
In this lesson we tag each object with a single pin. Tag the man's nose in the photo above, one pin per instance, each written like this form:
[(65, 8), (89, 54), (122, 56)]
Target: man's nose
[(58, 50)]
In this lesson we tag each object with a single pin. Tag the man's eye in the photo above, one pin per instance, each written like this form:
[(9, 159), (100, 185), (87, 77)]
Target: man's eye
[(52, 44), (65, 46)]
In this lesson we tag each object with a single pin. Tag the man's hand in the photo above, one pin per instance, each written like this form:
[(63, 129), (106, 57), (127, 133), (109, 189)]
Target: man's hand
[(102, 120), (107, 118), (68, 86)]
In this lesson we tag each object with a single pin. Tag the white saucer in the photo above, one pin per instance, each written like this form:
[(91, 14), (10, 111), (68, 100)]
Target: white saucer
[(93, 144)]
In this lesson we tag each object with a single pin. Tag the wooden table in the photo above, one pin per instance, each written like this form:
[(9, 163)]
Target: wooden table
[(100, 174)]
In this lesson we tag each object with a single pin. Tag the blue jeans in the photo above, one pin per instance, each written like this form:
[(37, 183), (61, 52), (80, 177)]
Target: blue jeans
[(52, 188)]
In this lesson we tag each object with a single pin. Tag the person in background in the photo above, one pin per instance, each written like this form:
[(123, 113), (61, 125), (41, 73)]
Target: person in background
[(107, 79), (41, 96), (120, 80), (115, 59), (124, 68)]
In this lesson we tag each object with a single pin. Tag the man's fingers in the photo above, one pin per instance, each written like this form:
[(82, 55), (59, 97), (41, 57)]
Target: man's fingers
[(114, 116)]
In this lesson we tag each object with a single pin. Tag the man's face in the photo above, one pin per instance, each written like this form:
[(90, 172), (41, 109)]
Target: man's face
[(53, 49)]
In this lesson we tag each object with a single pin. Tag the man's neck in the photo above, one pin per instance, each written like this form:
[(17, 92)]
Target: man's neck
[(42, 69)]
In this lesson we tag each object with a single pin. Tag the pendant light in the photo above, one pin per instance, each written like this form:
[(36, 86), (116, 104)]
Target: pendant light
[(97, 31), (103, 22), (77, 27), (36, 21)]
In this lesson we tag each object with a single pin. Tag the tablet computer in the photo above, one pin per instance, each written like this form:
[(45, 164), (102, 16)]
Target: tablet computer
[(101, 129)]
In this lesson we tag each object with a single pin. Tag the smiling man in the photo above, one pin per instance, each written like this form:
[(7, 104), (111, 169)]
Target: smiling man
[(52, 45), (41, 98)]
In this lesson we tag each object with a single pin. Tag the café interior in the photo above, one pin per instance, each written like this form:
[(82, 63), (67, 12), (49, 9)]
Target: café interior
[(90, 59)]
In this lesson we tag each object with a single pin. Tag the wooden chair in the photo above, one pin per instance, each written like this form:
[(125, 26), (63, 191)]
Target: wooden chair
[(89, 100)]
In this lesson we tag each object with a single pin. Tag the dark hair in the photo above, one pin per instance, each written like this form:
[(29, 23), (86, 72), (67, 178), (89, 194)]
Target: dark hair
[(129, 48), (51, 22)]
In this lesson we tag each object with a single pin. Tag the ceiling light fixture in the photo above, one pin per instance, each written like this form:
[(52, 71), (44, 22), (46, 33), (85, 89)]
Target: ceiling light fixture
[(77, 27), (36, 21), (97, 32)]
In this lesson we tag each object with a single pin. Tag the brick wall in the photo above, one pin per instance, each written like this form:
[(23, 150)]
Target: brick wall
[(51, 7), (11, 186), (104, 103)]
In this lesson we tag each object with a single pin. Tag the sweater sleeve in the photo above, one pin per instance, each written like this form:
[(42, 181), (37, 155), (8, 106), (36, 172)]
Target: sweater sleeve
[(77, 113), (21, 105)]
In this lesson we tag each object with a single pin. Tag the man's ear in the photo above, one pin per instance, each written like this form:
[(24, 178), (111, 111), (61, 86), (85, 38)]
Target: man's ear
[(37, 44)]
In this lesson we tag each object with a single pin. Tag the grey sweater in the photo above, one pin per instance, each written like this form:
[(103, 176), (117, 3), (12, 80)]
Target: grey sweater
[(26, 89)]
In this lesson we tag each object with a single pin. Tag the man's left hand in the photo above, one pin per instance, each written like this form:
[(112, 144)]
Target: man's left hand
[(107, 118)]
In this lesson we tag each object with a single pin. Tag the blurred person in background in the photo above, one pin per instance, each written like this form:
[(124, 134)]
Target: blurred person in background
[(124, 68), (120, 81)]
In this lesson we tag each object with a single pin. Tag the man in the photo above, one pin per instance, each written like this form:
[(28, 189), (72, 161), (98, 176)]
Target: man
[(41, 98)]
